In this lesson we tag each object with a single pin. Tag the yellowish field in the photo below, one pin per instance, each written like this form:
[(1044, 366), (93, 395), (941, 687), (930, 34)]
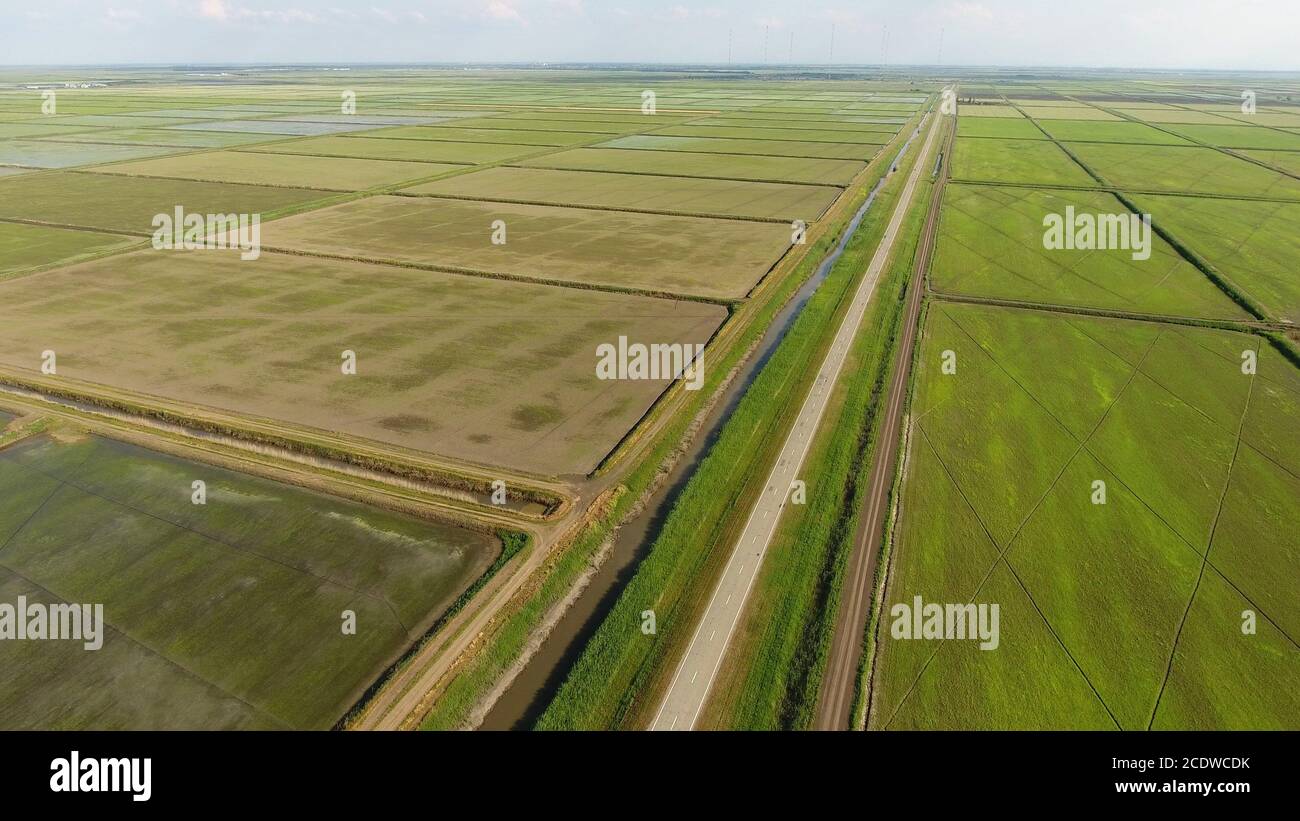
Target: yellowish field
[(700, 164), (484, 370), (717, 258), (640, 191), (334, 173)]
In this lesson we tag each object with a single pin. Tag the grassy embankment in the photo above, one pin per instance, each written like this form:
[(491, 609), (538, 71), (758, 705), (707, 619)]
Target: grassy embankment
[(615, 682), (778, 657)]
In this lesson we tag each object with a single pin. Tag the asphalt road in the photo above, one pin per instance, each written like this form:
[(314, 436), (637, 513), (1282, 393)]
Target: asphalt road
[(835, 701), (699, 666)]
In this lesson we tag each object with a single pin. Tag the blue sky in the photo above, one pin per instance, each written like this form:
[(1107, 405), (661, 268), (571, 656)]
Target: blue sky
[(1246, 34)]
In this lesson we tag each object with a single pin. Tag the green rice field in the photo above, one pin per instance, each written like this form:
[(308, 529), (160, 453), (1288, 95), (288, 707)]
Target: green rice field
[(225, 615), (1123, 614), (1015, 161), (991, 245), (1124, 611)]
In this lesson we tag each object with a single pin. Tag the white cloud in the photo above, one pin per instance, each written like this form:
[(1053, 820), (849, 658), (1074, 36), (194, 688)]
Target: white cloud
[(120, 19), (682, 13), (222, 10), (276, 15), (390, 16), (504, 11), (214, 9), (969, 11)]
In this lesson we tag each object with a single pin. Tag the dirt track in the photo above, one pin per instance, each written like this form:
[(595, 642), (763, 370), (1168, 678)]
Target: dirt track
[(688, 691), (835, 701)]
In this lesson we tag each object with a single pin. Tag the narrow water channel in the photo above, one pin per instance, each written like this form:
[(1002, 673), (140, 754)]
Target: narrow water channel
[(530, 692)]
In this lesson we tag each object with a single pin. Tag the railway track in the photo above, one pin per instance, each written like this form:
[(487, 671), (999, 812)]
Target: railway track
[(835, 701)]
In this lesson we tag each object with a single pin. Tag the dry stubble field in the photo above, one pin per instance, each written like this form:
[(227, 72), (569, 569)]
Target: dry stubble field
[(455, 358)]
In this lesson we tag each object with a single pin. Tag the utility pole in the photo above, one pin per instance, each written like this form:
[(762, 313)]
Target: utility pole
[(728, 46), (790, 58), (884, 48), (832, 57), (940, 47), (765, 44)]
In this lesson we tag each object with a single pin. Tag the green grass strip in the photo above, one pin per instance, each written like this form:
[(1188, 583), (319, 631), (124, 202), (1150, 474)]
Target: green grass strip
[(615, 681)]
